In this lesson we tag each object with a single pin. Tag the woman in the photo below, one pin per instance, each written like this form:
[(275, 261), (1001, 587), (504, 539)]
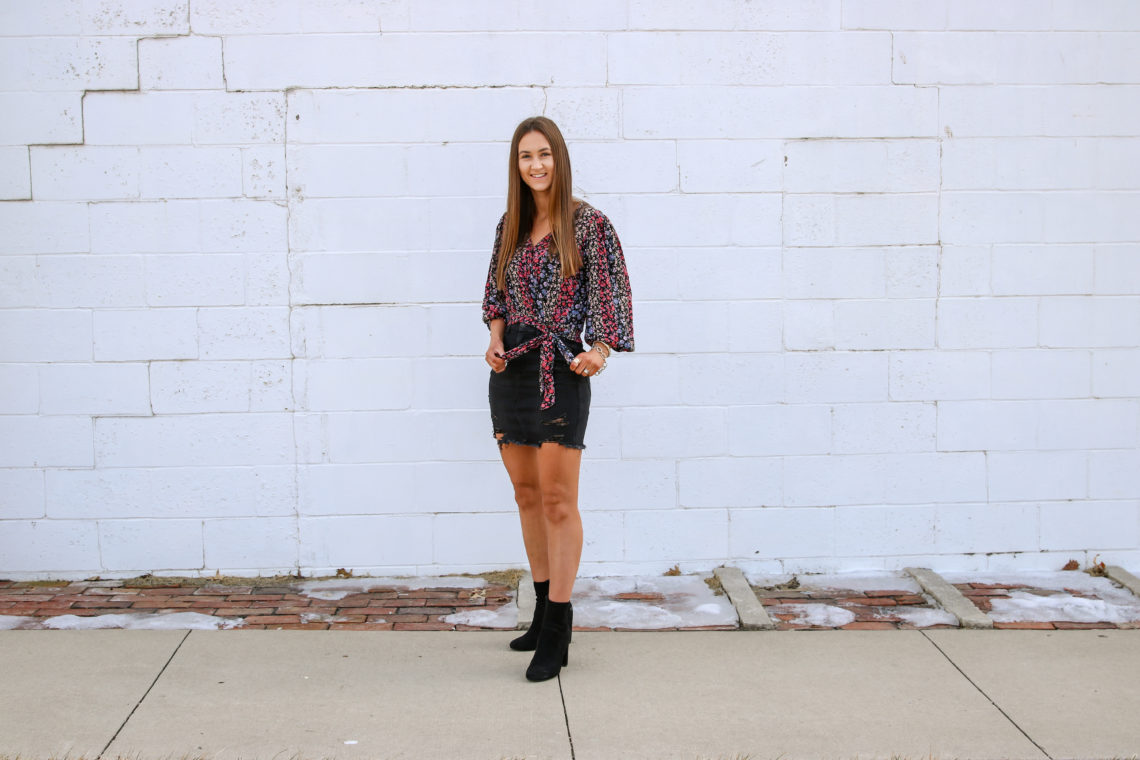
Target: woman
[(557, 267)]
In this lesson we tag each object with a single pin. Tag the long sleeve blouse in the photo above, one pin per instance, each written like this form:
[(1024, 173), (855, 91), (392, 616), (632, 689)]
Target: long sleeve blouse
[(596, 299)]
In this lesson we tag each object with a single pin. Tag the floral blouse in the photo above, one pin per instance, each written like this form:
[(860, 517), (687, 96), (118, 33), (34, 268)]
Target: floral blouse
[(597, 297)]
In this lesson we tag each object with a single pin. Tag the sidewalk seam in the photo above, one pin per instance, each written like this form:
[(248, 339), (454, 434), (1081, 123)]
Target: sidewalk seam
[(131, 714), (987, 696), (566, 717)]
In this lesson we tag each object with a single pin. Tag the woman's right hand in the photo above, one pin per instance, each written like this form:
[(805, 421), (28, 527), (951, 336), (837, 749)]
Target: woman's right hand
[(494, 356)]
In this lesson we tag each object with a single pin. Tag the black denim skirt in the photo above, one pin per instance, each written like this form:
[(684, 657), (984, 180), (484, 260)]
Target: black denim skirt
[(515, 397)]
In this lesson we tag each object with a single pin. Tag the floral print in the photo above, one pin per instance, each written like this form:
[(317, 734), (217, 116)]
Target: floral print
[(597, 298)]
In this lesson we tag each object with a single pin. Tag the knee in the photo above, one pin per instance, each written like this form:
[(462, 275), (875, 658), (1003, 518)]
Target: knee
[(528, 496), (558, 505)]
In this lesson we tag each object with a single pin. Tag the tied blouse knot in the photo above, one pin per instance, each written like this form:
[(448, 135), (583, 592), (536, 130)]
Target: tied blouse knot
[(596, 298)]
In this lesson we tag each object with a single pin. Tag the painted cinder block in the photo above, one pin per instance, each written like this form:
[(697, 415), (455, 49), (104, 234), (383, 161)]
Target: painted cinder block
[(1041, 373), (360, 224), (96, 389), (393, 170), (730, 166), (148, 545), (1117, 270), (809, 325), (189, 172), (146, 227), (15, 174), (731, 379), (972, 323), (673, 432), (621, 485), (28, 227), (180, 63), (239, 118), (730, 482), (45, 335), (885, 427), (936, 375), (365, 541), (436, 383), (876, 531), (408, 115), (819, 481), (1018, 111), (1116, 372), (725, 14), (1089, 526), (987, 425), (22, 493), (775, 532), (136, 17), (851, 220), (263, 171), (894, 14), (747, 220), (362, 489), (780, 429), (19, 388), (68, 64), (748, 58), (605, 166), (680, 326), (45, 118), (250, 542), (984, 527), (243, 333), (834, 273), (145, 334), (1078, 321), (19, 285), (676, 534), (820, 377), (755, 326), (1037, 475), (90, 280), (876, 325), (1088, 423), (290, 16), (488, 538), (354, 384), (638, 380), (47, 18), (765, 112), (195, 439), (332, 332), (28, 440), (1022, 163), (30, 546), (861, 166), (912, 271), (85, 173), (964, 270), (1114, 474), (195, 279), (923, 477), (1042, 270), (249, 226), (170, 492), (585, 113), (281, 62), (182, 387), (1077, 217)]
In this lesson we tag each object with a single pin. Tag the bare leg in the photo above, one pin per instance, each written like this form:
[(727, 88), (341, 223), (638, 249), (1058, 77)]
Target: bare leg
[(558, 468), (522, 467)]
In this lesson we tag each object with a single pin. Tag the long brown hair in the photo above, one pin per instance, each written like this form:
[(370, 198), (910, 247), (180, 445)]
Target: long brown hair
[(520, 202)]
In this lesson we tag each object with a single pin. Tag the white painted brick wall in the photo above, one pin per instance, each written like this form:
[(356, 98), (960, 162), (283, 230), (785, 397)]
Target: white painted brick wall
[(883, 255)]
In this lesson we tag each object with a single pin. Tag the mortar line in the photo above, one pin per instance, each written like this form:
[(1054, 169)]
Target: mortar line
[(142, 698), (987, 696), (565, 716)]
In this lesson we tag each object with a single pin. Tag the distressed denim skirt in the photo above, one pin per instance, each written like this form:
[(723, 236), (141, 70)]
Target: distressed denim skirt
[(516, 398)]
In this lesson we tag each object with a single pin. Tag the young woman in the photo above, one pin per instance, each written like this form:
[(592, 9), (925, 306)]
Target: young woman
[(557, 267)]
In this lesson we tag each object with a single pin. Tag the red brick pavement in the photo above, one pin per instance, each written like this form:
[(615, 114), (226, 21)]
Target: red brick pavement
[(873, 609)]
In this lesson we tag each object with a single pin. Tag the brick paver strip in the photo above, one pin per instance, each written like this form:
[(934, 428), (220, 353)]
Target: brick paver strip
[(753, 616), (950, 598)]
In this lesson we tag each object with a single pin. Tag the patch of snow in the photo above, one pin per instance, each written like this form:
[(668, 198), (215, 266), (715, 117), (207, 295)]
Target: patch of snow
[(173, 621), (12, 622), (338, 588), (827, 615), (857, 581), (506, 616), (1023, 606), (922, 617), (1057, 580), (686, 602)]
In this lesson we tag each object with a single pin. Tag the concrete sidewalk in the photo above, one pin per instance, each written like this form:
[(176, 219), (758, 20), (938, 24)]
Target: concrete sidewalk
[(758, 695)]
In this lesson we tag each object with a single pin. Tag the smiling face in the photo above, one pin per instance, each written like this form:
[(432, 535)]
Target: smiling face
[(536, 162)]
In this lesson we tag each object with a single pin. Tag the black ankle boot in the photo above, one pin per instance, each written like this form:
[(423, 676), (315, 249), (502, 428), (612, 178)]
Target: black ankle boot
[(528, 640), (553, 649)]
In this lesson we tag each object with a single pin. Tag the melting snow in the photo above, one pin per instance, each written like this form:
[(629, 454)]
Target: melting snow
[(142, 621), (827, 615), (844, 581), (12, 622), (339, 588), (921, 617), (506, 616), (1024, 606), (684, 602)]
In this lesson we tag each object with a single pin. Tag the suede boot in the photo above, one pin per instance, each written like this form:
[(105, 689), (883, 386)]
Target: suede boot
[(528, 641), (552, 652)]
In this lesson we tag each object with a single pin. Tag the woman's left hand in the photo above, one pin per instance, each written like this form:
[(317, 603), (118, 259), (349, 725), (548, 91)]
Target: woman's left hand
[(587, 363)]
